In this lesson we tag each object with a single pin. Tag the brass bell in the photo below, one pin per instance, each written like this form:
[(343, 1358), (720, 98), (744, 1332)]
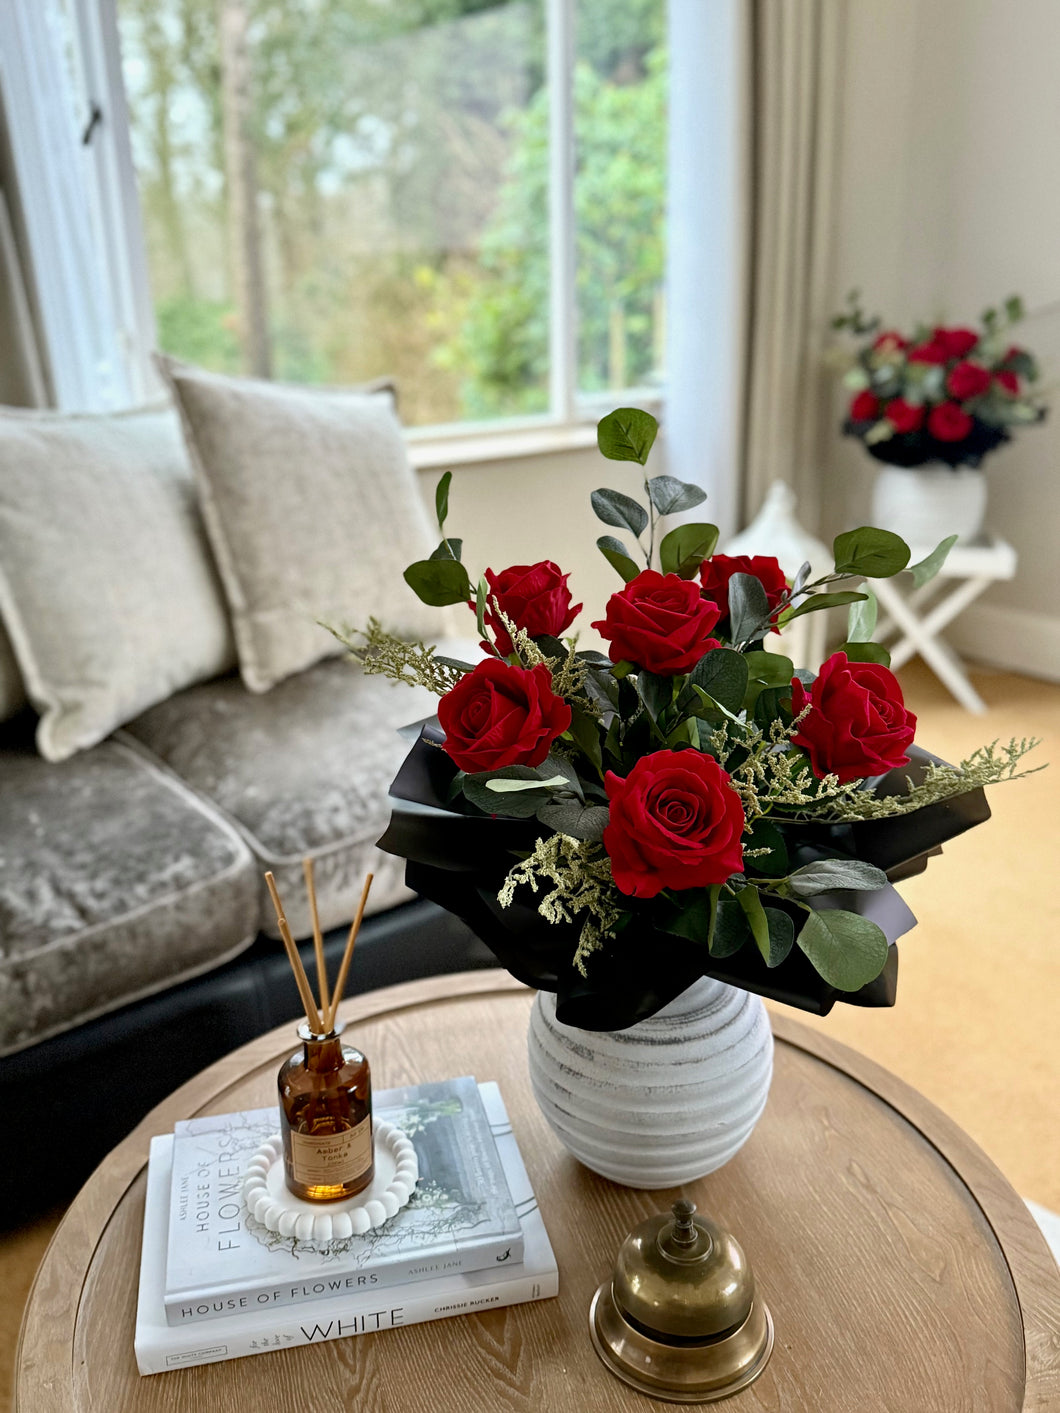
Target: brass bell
[(680, 1318)]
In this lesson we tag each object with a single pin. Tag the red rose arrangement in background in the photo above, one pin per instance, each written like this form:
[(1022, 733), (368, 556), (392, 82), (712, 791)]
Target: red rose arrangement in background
[(502, 715), (948, 395), (534, 596), (716, 572), (858, 724), (676, 822), (660, 622)]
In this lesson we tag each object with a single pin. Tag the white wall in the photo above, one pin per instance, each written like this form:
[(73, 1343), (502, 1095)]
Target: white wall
[(949, 200)]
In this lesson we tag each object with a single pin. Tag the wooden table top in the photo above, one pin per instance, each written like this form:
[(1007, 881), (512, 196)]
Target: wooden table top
[(903, 1272)]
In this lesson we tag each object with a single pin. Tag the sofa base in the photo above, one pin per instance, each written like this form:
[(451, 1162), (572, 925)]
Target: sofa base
[(93, 1084)]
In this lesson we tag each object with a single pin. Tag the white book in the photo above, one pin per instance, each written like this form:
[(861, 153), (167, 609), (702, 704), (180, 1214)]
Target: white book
[(161, 1346), (220, 1261)]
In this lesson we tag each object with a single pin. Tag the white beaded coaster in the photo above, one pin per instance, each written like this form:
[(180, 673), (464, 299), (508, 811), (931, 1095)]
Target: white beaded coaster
[(270, 1202)]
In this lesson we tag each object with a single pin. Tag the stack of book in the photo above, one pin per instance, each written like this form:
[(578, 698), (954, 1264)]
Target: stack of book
[(215, 1284)]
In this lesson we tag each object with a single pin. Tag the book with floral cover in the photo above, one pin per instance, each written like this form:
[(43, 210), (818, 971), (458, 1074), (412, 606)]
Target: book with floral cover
[(221, 1262), (161, 1346)]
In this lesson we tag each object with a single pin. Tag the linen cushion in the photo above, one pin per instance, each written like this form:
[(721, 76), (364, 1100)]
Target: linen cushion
[(12, 690), (107, 588), (115, 882), (303, 770), (312, 509)]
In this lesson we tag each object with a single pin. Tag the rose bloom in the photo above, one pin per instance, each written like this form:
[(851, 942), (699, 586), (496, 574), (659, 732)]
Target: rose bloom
[(948, 423), (1008, 381), (957, 343), (858, 724), (931, 352), (967, 380), (904, 416), (890, 341), (534, 596), (501, 715), (659, 622), (676, 822), (715, 573), (864, 407)]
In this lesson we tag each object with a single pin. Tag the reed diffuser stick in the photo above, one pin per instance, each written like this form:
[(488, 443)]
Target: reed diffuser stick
[(318, 940), (347, 956), (313, 1018)]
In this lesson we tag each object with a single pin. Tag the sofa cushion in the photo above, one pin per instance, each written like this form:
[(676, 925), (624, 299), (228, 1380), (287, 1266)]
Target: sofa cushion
[(115, 881), (12, 689), (312, 509), (107, 586), (302, 770)]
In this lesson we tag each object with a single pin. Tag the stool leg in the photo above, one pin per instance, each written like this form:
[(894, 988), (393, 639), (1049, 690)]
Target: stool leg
[(920, 638)]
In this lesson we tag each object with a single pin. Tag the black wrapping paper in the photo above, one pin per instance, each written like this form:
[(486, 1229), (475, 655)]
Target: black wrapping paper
[(460, 862)]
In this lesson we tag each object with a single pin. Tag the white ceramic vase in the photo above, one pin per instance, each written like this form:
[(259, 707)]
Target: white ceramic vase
[(664, 1102), (924, 504)]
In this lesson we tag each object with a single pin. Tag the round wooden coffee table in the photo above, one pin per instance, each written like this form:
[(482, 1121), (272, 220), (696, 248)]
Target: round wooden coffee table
[(903, 1272)]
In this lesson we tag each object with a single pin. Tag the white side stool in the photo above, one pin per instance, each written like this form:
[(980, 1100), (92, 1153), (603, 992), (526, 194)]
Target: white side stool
[(916, 619)]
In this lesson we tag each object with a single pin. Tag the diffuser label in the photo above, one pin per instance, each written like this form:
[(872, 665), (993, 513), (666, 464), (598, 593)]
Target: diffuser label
[(332, 1158)]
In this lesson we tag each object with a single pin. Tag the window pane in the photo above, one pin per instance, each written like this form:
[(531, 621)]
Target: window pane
[(620, 191), (339, 189)]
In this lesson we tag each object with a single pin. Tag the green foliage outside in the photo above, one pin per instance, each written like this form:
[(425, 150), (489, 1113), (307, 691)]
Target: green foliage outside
[(402, 168)]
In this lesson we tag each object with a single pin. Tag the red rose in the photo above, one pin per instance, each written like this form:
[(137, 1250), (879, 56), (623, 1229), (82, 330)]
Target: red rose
[(958, 343), (889, 342), (1008, 381), (930, 352), (502, 715), (857, 724), (659, 622), (676, 822), (904, 416), (864, 407), (534, 596), (967, 380), (716, 572), (948, 423)]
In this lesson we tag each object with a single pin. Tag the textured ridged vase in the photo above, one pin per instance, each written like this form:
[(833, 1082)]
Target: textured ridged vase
[(664, 1102)]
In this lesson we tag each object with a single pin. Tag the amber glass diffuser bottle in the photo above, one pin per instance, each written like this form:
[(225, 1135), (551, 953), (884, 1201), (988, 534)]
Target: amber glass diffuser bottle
[(325, 1087), (326, 1118)]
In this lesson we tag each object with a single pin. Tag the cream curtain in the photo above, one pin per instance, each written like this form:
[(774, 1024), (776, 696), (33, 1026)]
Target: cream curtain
[(797, 53)]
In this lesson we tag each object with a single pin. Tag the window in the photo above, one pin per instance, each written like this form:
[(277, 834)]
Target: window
[(465, 194)]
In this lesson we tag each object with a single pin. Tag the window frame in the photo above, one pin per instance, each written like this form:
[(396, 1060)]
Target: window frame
[(124, 253)]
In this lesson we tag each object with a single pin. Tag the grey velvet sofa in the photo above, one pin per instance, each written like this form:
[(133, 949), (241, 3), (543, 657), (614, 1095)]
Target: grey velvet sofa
[(137, 941)]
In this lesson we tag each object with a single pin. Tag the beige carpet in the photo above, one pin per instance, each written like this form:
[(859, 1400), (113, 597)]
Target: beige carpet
[(976, 1027)]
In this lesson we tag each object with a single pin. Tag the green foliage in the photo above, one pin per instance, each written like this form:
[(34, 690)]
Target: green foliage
[(439, 582), (929, 566), (683, 549), (616, 554), (870, 553), (845, 948)]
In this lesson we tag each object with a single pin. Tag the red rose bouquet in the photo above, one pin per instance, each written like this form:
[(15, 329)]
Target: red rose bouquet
[(615, 826), (945, 395)]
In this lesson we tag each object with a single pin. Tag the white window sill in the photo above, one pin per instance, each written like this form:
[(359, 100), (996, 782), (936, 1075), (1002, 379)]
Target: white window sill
[(432, 451)]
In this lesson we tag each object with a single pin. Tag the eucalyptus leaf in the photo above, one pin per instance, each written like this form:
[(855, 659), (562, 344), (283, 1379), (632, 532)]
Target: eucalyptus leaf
[(441, 499), (722, 674), (520, 800), (870, 553), (586, 733), (627, 434), (657, 693), (755, 913), (861, 619), (695, 919), (500, 786), (771, 669), (614, 508), (571, 817), (865, 652), (802, 578), (730, 928), (828, 875), (847, 950), (481, 591), (929, 566), (439, 582), (670, 496), (453, 662), (818, 601), (748, 608), (684, 549), (448, 549), (616, 554)]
